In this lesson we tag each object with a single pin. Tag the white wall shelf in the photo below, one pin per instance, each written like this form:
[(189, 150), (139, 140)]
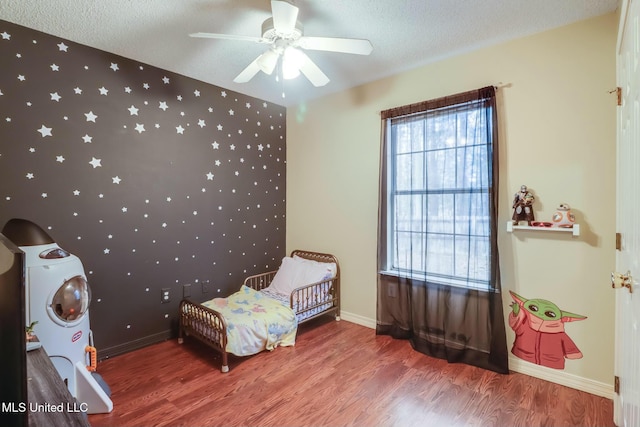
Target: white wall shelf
[(575, 230)]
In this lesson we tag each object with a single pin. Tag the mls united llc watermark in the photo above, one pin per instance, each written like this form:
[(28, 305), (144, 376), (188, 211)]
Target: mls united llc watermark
[(21, 407)]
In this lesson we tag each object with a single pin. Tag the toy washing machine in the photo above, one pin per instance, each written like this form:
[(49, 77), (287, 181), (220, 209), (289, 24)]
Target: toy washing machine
[(57, 297)]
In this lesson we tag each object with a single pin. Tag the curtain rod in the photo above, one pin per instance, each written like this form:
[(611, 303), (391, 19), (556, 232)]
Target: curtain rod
[(444, 101)]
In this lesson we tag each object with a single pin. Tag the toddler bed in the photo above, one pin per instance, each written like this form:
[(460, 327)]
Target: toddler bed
[(267, 309)]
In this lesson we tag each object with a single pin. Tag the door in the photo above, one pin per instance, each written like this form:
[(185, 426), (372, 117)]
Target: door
[(627, 359)]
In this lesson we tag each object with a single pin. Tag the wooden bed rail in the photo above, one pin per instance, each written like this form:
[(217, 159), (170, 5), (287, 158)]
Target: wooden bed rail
[(260, 281), (206, 325)]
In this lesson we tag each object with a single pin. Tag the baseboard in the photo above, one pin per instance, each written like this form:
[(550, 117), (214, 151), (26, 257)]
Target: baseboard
[(357, 319), (561, 377), (517, 365), (105, 353)]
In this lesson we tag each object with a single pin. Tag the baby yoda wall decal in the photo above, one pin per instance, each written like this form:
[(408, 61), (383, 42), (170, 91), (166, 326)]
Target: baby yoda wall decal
[(540, 335)]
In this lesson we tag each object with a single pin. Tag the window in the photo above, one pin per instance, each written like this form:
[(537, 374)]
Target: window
[(439, 193)]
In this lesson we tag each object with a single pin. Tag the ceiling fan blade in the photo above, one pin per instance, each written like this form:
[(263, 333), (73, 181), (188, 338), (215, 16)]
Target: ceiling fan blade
[(248, 73), (311, 71), (228, 37), (285, 15), (356, 46)]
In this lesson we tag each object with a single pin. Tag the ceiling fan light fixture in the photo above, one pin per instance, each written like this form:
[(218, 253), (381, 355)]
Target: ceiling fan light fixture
[(292, 60), (267, 61)]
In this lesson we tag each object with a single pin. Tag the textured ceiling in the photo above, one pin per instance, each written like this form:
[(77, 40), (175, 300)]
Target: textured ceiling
[(404, 33)]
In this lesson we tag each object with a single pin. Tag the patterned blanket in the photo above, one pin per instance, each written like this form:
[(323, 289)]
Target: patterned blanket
[(255, 322)]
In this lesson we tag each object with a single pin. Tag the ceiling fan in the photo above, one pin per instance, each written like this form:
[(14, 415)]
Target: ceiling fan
[(284, 35)]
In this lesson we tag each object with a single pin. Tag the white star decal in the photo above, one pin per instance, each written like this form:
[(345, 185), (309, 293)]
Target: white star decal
[(201, 123), (127, 89), (248, 105), (231, 113), (90, 116), (165, 80), (106, 251), (133, 110), (145, 85), (163, 106), (215, 145), (103, 91), (217, 162), (59, 159), (44, 195), (124, 209), (63, 47), (95, 162), (210, 176), (219, 127), (45, 131), (179, 97), (77, 90), (260, 147), (140, 128), (5, 35), (76, 192), (21, 77), (29, 175), (223, 94), (210, 109), (54, 67), (55, 96), (32, 150), (116, 180), (87, 139), (196, 92), (114, 66), (180, 130), (168, 199), (232, 147)]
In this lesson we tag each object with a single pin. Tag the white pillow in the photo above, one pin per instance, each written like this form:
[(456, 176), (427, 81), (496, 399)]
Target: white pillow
[(296, 272), (285, 276), (330, 267)]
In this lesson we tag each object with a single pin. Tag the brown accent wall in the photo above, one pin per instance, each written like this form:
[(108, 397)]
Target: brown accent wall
[(154, 180)]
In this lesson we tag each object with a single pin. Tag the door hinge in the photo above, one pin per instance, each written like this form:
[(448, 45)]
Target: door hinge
[(619, 93), (616, 384), (618, 241)]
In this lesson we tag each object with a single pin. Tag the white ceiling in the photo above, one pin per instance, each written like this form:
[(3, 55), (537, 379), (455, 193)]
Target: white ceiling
[(405, 33)]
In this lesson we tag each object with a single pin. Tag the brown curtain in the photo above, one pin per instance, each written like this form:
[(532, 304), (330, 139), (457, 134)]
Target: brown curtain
[(439, 276)]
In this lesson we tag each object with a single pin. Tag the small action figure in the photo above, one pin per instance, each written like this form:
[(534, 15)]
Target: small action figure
[(523, 206)]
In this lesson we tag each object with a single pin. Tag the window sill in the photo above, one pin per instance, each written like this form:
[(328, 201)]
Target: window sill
[(437, 281)]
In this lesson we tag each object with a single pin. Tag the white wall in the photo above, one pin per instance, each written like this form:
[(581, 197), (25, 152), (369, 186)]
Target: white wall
[(557, 136)]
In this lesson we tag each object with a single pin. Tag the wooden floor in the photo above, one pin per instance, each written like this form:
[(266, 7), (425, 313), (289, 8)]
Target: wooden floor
[(338, 374)]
